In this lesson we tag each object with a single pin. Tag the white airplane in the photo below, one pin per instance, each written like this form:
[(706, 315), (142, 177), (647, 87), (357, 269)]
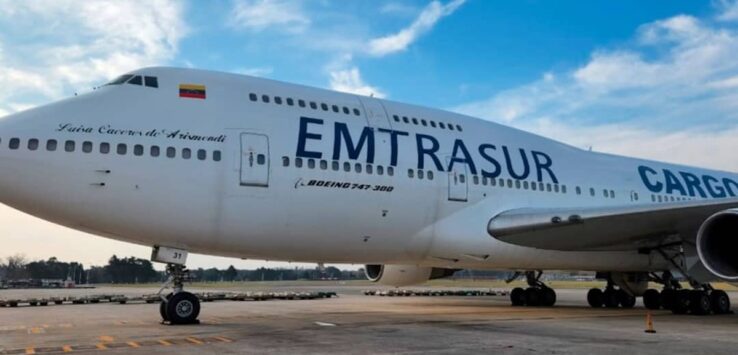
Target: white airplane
[(197, 161)]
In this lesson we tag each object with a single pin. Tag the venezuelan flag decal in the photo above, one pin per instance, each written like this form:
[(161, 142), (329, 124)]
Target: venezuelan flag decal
[(192, 91)]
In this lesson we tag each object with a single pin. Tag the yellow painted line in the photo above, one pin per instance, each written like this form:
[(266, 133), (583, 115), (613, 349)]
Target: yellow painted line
[(30, 350), (224, 339), (133, 344), (101, 346), (67, 349), (164, 342), (45, 325), (65, 325), (194, 340), (106, 339), (36, 330)]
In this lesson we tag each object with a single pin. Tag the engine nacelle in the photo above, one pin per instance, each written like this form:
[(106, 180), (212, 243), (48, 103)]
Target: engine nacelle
[(717, 244), (404, 275)]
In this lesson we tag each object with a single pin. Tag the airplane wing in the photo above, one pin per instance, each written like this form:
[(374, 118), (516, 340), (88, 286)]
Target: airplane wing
[(605, 228)]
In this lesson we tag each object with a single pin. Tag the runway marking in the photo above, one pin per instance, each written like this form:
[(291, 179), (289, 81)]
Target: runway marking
[(223, 339), (30, 351), (133, 344), (324, 324), (164, 342), (101, 346), (194, 340), (67, 349), (36, 330), (106, 339)]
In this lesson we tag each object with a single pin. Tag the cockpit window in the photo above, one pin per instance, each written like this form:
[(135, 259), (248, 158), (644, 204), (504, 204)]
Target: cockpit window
[(120, 80), (137, 80), (151, 81)]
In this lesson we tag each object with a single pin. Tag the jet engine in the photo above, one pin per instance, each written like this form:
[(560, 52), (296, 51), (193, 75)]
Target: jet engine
[(404, 275), (717, 244)]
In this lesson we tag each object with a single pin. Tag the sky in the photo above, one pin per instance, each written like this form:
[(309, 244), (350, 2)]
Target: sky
[(653, 79)]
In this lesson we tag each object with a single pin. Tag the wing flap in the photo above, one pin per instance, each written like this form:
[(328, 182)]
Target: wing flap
[(604, 228)]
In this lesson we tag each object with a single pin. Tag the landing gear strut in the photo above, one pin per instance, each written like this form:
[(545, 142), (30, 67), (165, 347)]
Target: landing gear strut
[(537, 293), (610, 297), (178, 306)]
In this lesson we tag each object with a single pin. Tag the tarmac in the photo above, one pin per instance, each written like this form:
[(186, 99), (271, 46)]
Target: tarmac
[(354, 323)]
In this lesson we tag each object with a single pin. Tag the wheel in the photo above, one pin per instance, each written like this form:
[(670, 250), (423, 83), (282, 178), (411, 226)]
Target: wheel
[(699, 304), (163, 308), (548, 297), (681, 302), (183, 308), (652, 299), (532, 297), (720, 302), (517, 297), (595, 298), (626, 300), (610, 298), (667, 298)]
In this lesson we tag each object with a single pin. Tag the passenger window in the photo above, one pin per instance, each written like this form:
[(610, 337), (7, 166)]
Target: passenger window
[(517, 184), (533, 186), (548, 187), (423, 122), (592, 191), (525, 185), (265, 98), (298, 162), (604, 192), (216, 155), (346, 110), (285, 161), (290, 102), (357, 167), (104, 147), (612, 195), (410, 173), (324, 106), (201, 154), (458, 128), (136, 80), (653, 198), (335, 166), (301, 103), (138, 150), (442, 125), (311, 163), (122, 149), (563, 189), (151, 81), (556, 188), (347, 166), (69, 146), (415, 121), (87, 146), (396, 118), (405, 119), (462, 178), (171, 152), (32, 144), (430, 175), (260, 159), (369, 169), (380, 170), (154, 151), (356, 112), (450, 126), (186, 153), (540, 186), (51, 143), (253, 97), (420, 174), (433, 124), (14, 143), (277, 100), (323, 165), (390, 171), (578, 190), (335, 108), (313, 105), (475, 179)]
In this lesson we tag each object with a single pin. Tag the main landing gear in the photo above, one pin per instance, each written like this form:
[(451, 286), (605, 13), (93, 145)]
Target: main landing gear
[(537, 293), (701, 300), (178, 306), (610, 297)]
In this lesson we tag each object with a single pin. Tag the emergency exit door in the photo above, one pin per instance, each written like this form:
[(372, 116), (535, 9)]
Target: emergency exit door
[(458, 182), (254, 160)]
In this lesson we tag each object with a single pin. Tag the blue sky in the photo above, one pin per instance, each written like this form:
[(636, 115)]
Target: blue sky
[(655, 79)]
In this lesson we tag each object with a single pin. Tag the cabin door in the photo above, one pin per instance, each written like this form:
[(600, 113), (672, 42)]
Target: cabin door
[(458, 182), (376, 115), (254, 160)]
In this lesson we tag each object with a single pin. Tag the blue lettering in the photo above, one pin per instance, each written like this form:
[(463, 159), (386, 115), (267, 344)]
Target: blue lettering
[(393, 144), (653, 187), (715, 191), (727, 182), (367, 137), (303, 136), (422, 151), (672, 183), (495, 173), (460, 147), (543, 164), (693, 184), (511, 169)]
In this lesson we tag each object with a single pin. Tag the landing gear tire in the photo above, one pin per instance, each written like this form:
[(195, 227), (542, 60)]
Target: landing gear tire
[(652, 299), (610, 298), (595, 298), (719, 302), (163, 308), (681, 302), (548, 297), (532, 297), (699, 304), (182, 308), (668, 298), (517, 296), (625, 299)]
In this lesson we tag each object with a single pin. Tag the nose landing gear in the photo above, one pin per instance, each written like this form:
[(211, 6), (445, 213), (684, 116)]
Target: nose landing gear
[(178, 306)]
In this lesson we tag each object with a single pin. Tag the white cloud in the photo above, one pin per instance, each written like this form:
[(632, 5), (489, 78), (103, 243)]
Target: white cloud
[(729, 10), (399, 41), (81, 44), (258, 15), (349, 80)]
